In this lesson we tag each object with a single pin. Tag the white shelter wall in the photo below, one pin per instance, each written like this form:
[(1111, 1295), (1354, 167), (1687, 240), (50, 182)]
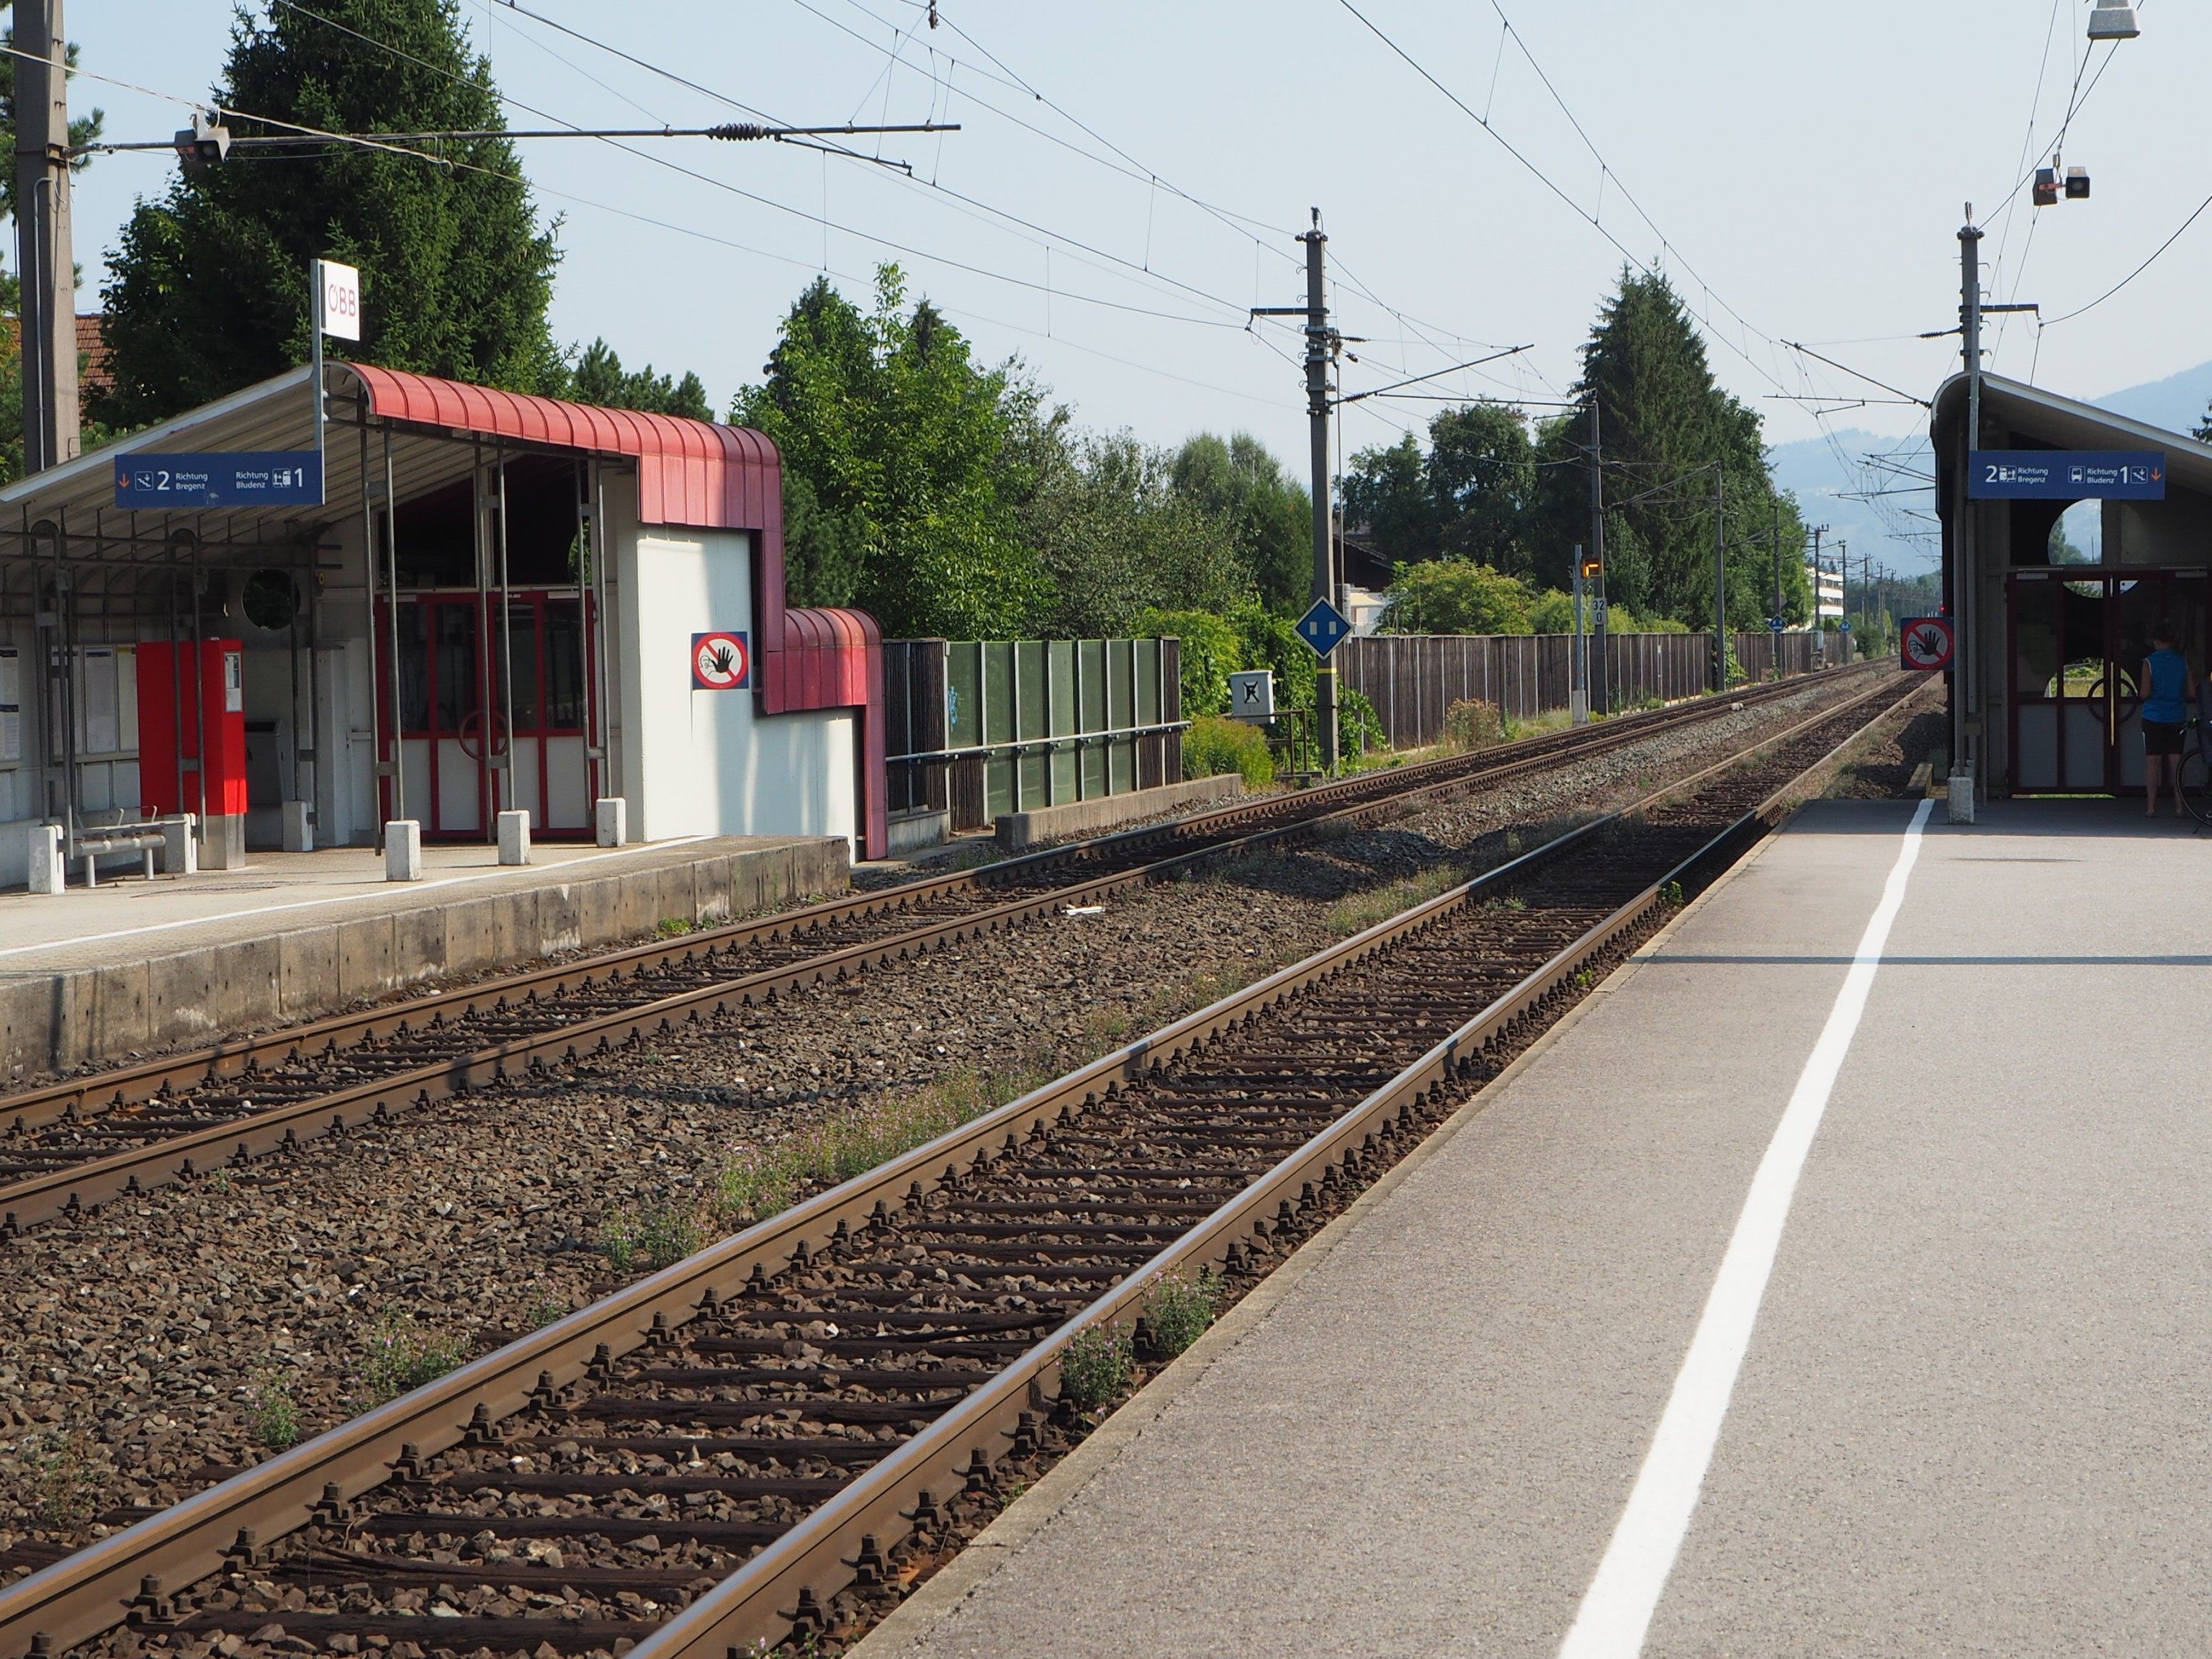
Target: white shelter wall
[(708, 762)]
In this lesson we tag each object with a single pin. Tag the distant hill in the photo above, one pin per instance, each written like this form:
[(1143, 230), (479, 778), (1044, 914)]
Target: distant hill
[(1885, 528), (2177, 402)]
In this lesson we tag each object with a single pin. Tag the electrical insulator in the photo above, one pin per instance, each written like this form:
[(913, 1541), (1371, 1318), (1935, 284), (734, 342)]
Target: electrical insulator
[(2113, 20)]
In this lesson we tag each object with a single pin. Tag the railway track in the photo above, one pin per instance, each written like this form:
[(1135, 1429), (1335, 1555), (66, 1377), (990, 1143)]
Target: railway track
[(75, 1144), (769, 1440)]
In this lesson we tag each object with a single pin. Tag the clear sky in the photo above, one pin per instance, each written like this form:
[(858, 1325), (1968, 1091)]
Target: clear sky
[(1809, 162)]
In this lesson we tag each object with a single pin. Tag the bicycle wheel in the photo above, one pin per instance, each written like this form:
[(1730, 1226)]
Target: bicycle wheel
[(2195, 785)]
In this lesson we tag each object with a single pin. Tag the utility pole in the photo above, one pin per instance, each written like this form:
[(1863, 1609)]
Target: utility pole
[(46, 259), (1597, 680), (1965, 572), (1774, 632), (1324, 558), (1321, 345), (1843, 588), (1720, 583)]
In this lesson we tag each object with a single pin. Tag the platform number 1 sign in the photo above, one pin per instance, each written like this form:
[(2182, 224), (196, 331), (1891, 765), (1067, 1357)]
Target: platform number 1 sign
[(721, 662)]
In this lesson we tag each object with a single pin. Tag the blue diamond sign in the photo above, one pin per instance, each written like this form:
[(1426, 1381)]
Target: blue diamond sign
[(1322, 627)]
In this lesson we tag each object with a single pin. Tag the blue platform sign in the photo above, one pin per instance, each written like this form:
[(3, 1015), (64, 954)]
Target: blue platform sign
[(1775, 625), (278, 478), (2066, 474), (1322, 627)]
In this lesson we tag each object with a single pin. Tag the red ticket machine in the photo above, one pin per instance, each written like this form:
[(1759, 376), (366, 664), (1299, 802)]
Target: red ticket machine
[(191, 735)]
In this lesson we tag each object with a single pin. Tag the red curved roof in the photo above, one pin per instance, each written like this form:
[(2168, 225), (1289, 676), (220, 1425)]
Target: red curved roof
[(690, 472)]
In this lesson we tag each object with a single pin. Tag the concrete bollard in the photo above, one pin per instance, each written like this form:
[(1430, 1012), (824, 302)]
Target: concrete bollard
[(45, 869), (1959, 798), (514, 837), (180, 849), (298, 826), (613, 820), (402, 850)]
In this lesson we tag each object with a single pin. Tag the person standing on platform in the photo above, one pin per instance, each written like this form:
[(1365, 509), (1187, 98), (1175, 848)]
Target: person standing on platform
[(2169, 686)]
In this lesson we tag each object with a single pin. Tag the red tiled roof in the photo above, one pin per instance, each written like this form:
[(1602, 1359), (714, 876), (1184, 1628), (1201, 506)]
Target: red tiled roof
[(92, 349)]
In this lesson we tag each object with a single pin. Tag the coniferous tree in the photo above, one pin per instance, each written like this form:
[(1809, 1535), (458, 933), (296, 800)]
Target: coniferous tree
[(1665, 417), (208, 291)]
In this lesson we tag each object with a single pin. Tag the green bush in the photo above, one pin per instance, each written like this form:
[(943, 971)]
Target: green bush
[(1456, 595), (1096, 1368), (1553, 612), (657, 1237), (276, 1418), (1212, 651), (1470, 725), (1272, 641), (1179, 1310), (1358, 727), (1214, 745), (402, 1358)]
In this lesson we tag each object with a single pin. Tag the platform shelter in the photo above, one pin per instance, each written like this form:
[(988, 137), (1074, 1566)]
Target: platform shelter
[(502, 602), (2054, 593)]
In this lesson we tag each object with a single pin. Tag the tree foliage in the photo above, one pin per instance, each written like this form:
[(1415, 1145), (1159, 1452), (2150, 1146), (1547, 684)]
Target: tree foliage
[(1456, 595), (1387, 493), (1663, 417), (1488, 489), (83, 129), (1116, 538), (209, 290), (1471, 496), (598, 377), (907, 449), (1268, 517)]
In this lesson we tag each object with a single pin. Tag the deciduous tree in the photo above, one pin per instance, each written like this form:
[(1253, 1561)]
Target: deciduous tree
[(910, 450)]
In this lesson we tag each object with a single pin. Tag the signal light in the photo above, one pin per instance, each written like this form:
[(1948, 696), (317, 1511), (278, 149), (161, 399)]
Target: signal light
[(1592, 568), (2077, 184), (203, 144), (2047, 187)]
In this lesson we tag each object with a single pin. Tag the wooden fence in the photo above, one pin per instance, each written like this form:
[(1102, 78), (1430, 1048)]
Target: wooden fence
[(1413, 679)]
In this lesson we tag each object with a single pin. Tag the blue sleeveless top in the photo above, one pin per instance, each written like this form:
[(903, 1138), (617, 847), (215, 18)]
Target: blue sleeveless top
[(2169, 678)]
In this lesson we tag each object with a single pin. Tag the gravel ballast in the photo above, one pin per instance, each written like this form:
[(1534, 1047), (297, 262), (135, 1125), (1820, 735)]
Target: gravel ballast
[(150, 1348)]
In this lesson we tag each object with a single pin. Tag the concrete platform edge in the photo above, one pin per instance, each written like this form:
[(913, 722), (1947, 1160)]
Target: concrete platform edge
[(54, 1021), (1035, 1510)]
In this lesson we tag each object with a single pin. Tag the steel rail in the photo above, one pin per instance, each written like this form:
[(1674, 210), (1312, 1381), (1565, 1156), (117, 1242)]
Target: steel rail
[(71, 1190), (87, 1593), (46, 1102)]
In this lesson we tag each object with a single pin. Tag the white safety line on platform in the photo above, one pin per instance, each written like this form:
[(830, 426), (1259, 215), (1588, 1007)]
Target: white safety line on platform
[(381, 890), (1616, 1610)]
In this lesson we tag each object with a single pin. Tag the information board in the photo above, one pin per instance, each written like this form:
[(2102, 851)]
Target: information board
[(281, 477), (2066, 474)]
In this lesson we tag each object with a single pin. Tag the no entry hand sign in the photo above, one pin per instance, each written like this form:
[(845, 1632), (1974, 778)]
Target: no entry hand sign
[(1924, 643), (721, 662)]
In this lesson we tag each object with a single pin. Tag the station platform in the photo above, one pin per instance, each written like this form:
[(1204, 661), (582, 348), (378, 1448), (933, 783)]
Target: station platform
[(95, 974), (1730, 1321)]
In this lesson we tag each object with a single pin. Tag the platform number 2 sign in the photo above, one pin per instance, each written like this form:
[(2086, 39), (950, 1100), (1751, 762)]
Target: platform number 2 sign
[(721, 662)]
